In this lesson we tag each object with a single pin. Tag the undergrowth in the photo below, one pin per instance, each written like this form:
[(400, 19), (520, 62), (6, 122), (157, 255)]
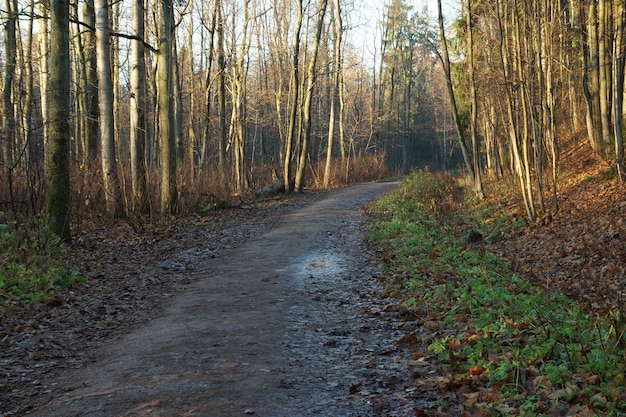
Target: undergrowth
[(522, 351), (31, 267)]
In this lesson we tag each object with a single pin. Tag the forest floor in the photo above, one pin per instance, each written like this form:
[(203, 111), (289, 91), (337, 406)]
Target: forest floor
[(198, 317), (578, 250)]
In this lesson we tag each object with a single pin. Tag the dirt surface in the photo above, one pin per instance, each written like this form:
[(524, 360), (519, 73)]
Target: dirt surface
[(286, 324)]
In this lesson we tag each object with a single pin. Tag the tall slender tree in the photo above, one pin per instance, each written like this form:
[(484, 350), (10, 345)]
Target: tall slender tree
[(308, 97), (335, 88), (294, 93), (166, 122), (112, 189), (7, 110), (58, 199), (138, 109), (444, 57)]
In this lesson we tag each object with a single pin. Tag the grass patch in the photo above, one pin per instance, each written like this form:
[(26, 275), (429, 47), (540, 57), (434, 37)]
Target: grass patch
[(534, 354), (31, 267)]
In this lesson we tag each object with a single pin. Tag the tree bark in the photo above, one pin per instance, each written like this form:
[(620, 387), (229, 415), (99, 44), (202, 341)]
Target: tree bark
[(335, 88), (58, 198), (90, 82), (7, 112), (294, 91), (306, 109), (619, 62), (477, 181), (445, 61), (112, 190), (138, 110), (166, 122)]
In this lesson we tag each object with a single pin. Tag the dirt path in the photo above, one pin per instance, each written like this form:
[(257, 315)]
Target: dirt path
[(281, 326)]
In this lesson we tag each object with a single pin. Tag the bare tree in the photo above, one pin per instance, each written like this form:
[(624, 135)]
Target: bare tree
[(336, 88), (294, 90), (477, 180), (138, 109), (166, 122), (7, 111), (308, 97), (444, 57), (58, 199), (112, 190)]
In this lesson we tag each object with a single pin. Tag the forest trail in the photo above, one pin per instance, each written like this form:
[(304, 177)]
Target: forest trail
[(280, 326)]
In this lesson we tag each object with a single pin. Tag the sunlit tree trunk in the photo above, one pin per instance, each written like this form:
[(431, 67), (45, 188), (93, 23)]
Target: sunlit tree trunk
[(477, 181), (619, 50), (166, 122), (591, 80), (58, 198), (44, 52), (505, 65), (27, 96), (208, 84), (138, 109), (239, 92), (306, 108), (112, 190), (221, 91), (605, 66), (294, 91), (336, 85), (178, 104), (445, 60)]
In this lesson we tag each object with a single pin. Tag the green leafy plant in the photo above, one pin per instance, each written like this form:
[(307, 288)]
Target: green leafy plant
[(496, 330), (30, 263)]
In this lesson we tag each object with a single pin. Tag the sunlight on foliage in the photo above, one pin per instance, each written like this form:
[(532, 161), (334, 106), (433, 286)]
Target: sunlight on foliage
[(535, 353), (30, 266)]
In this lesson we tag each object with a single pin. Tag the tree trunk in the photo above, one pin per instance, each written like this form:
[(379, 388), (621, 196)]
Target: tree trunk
[(166, 122), (334, 94), (7, 112), (58, 198), (138, 110), (294, 91), (90, 82), (477, 181), (306, 109), (239, 92), (619, 61), (592, 81), (208, 83), (44, 53), (445, 61), (221, 91), (112, 191)]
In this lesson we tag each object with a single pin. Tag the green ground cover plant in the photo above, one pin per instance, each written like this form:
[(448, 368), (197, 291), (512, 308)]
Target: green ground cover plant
[(31, 266), (509, 347)]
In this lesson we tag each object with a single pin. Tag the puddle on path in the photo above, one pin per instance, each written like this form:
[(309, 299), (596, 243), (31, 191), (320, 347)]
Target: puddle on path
[(320, 265)]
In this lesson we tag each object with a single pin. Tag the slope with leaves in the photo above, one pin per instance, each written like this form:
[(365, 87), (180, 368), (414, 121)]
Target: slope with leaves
[(483, 340)]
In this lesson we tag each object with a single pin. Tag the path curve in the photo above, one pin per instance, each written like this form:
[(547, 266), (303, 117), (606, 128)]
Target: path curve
[(278, 327)]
